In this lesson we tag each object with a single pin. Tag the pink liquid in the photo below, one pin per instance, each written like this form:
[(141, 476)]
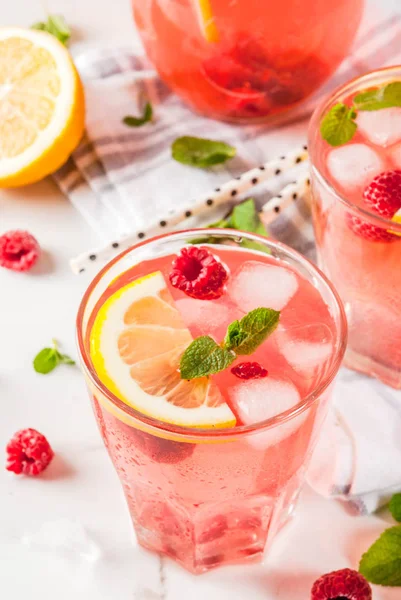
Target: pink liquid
[(365, 272), (208, 504), (270, 55)]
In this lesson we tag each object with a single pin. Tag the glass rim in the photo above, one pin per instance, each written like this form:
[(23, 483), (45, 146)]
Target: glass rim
[(218, 433), (314, 125)]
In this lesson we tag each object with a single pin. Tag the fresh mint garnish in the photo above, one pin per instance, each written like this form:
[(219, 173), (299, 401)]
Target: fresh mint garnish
[(243, 217), (244, 336), (139, 121), (395, 507), (338, 125), (49, 358), (199, 152), (55, 25), (204, 356), (384, 97), (381, 564)]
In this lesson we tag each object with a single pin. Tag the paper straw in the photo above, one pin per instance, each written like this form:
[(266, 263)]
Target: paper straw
[(289, 194), (228, 191)]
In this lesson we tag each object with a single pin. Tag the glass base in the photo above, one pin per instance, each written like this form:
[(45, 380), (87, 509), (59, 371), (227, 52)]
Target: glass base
[(236, 533), (369, 366)]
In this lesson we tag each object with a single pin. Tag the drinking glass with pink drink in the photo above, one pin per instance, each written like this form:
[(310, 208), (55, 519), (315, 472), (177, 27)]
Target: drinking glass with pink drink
[(356, 202), (246, 60), (210, 447)]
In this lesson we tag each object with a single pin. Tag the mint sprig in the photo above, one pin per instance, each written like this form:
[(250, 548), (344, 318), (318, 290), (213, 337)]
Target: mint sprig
[(244, 336), (205, 357), (395, 507), (243, 217), (381, 564), (338, 125), (55, 25), (384, 97), (147, 115), (49, 358), (200, 152)]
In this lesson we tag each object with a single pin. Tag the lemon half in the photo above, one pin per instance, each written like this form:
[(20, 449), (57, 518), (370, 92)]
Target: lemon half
[(42, 108)]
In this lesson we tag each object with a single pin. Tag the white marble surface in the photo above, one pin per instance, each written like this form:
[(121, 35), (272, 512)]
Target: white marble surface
[(67, 534)]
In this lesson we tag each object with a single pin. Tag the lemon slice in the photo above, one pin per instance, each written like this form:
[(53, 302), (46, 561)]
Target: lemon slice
[(42, 106), (206, 21), (396, 219), (136, 343)]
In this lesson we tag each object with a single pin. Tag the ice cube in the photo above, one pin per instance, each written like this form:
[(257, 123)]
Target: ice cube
[(64, 536), (395, 156), (354, 165), (258, 284), (381, 127), (261, 399), (306, 356), (203, 313)]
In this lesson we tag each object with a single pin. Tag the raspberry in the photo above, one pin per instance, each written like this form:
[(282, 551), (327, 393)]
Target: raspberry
[(198, 273), (19, 250), (369, 232), (249, 370), (383, 194), (341, 585), (161, 450), (259, 82), (28, 452)]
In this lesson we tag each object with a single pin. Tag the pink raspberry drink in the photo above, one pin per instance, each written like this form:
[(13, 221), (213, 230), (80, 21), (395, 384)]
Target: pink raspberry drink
[(246, 60), (210, 370), (356, 189)]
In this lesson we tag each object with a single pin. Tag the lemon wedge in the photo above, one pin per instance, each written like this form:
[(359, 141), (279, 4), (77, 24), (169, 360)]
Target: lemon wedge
[(136, 342)]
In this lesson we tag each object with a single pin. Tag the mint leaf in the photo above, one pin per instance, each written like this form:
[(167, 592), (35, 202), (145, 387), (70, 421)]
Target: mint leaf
[(55, 25), (49, 358), (384, 97), (381, 564), (65, 359), (204, 357), (222, 224), (45, 361), (139, 121), (199, 152), (338, 125), (395, 507), (234, 336), (244, 336), (245, 217), (368, 100)]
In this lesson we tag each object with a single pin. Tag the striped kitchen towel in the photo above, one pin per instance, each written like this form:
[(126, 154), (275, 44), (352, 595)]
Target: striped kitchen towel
[(123, 180)]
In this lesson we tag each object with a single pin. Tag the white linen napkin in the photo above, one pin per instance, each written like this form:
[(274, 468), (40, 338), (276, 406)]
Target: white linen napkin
[(123, 179)]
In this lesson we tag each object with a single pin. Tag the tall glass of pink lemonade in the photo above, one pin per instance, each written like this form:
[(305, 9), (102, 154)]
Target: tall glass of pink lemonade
[(210, 442), (246, 60), (356, 188)]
